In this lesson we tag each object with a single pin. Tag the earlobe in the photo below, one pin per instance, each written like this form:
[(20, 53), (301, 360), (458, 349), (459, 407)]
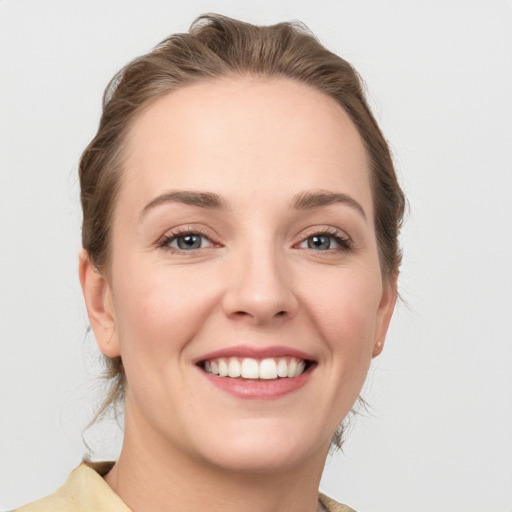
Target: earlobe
[(377, 348), (384, 313), (100, 307)]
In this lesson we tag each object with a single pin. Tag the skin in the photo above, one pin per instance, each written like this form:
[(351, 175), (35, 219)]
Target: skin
[(258, 144)]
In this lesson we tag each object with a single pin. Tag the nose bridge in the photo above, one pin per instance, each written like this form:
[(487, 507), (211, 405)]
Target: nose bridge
[(260, 287)]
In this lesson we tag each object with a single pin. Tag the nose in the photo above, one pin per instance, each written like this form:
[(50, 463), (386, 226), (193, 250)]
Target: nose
[(260, 289)]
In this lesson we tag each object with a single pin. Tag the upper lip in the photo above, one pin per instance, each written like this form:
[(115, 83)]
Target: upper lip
[(256, 353)]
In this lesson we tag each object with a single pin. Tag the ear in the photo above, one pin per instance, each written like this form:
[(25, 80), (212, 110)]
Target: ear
[(385, 312), (100, 306)]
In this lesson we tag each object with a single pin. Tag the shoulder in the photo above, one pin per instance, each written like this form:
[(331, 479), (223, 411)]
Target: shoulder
[(84, 491), (333, 506)]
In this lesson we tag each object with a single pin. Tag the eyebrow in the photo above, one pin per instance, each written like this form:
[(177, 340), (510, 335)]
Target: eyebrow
[(308, 200), (207, 200)]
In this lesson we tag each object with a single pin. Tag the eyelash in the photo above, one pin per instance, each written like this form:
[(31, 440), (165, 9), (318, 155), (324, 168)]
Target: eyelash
[(174, 235), (343, 241)]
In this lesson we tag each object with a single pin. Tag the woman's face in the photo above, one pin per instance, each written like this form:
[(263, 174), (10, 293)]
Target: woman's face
[(243, 241)]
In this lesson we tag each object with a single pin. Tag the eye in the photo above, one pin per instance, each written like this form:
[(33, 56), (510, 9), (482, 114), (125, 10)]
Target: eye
[(319, 242), (186, 241), (326, 241)]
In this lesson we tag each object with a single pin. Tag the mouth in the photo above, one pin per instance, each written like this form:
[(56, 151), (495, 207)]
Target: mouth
[(261, 373), (252, 368)]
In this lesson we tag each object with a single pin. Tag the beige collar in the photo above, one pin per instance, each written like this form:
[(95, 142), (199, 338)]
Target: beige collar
[(86, 491)]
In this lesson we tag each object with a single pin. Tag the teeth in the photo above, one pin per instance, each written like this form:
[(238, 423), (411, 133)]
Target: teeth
[(282, 368), (292, 368), (223, 368), (268, 369), (234, 368), (249, 368)]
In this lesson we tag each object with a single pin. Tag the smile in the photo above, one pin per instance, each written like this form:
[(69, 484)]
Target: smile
[(251, 368), (265, 373)]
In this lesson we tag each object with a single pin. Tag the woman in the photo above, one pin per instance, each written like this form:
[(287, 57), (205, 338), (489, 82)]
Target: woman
[(239, 267)]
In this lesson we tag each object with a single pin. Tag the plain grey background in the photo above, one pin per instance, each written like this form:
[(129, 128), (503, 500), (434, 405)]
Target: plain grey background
[(439, 76)]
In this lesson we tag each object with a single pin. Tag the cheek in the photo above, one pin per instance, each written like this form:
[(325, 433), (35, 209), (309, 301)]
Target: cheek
[(159, 311), (345, 310)]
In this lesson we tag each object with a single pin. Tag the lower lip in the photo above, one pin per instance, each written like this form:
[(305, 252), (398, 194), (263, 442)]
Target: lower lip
[(258, 389)]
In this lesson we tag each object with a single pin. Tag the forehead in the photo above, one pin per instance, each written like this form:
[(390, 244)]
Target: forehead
[(245, 135)]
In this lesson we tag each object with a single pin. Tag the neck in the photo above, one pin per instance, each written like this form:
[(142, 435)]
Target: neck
[(151, 475)]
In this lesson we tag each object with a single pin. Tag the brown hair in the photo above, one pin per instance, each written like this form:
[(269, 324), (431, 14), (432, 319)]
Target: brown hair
[(215, 47)]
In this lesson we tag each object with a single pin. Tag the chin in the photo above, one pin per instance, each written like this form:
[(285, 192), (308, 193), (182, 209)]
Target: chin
[(266, 448)]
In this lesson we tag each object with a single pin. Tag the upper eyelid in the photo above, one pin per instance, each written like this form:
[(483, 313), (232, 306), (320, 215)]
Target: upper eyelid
[(324, 230), (189, 229)]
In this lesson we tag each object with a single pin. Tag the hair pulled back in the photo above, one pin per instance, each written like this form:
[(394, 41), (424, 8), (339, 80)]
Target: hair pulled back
[(216, 47)]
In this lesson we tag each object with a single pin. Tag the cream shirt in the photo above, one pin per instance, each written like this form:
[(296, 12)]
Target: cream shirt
[(86, 491)]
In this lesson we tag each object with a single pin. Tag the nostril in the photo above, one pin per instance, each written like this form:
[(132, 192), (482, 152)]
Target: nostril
[(240, 315), (244, 314)]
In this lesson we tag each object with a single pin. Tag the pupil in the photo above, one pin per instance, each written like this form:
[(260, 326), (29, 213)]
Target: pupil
[(319, 242), (189, 242)]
